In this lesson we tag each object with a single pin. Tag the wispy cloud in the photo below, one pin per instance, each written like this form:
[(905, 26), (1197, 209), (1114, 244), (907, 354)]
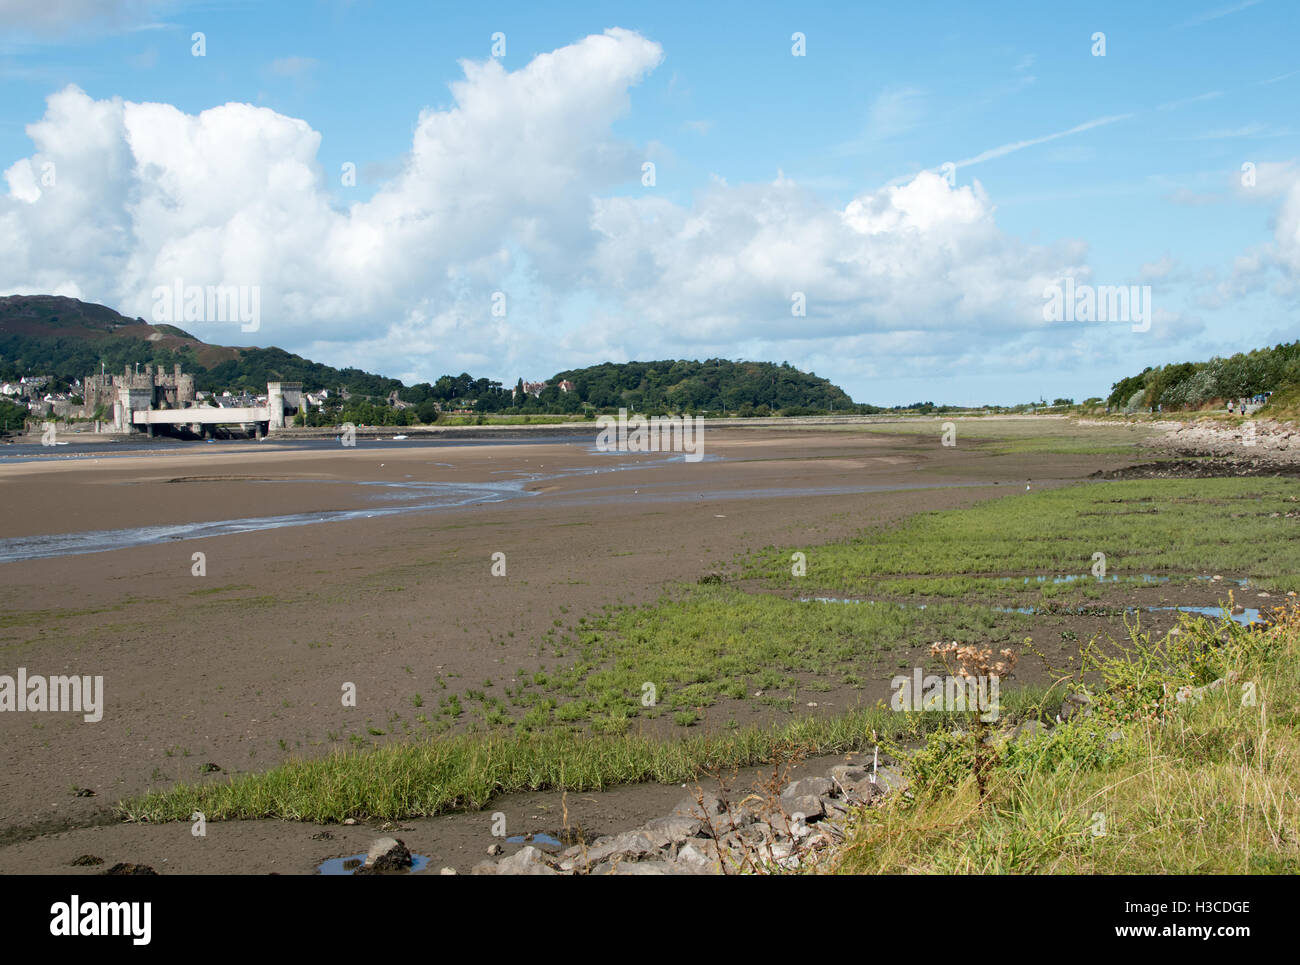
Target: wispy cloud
[(1005, 149), (1279, 77), (1249, 130), (895, 111), (294, 66), (1216, 14), (1174, 105)]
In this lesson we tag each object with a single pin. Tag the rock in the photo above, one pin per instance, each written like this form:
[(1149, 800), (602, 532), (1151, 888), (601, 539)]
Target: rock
[(737, 817), (864, 792), (808, 786), (526, 861), (834, 809), (806, 804), (673, 829), (749, 839), (447, 871), (643, 868), (847, 775), (484, 868), (890, 779), (349, 821), (630, 845), (1076, 703), (1114, 737), (697, 808), (125, 868), (495, 849), (697, 860), (86, 861), (386, 856), (781, 854)]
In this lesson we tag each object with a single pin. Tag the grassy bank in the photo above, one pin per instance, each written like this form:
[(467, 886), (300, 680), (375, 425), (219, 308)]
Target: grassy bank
[(537, 419), (1145, 785), (1171, 528), (466, 772)]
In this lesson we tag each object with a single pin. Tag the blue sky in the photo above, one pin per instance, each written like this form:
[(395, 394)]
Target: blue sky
[(1122, 169)]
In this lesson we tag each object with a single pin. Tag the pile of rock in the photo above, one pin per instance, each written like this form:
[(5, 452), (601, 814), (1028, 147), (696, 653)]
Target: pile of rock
[(707, 834), (1263, 439)]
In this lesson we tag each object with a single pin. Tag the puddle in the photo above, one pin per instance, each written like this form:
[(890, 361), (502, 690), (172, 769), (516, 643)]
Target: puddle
[(1072, 578), (1248, 615), (541, 838), (349, 864)]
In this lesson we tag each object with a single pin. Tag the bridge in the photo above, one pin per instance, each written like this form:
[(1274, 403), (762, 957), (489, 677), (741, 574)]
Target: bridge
[(132, 411)]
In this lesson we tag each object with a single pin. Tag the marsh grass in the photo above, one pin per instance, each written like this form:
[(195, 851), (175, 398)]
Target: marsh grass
[(466, 772), (1179, 528), (713, 642), (1145, 785)]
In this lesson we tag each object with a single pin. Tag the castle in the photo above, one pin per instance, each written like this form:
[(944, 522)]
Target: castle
[(144, 401), (166, 391)]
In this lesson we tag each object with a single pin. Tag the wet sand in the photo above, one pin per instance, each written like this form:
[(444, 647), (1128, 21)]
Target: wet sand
[(243, 667)]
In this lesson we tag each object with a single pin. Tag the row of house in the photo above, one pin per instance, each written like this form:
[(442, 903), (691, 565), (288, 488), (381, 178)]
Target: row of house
[(30, 390)]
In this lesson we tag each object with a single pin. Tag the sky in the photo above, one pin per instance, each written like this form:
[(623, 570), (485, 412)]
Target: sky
[(885, 195)]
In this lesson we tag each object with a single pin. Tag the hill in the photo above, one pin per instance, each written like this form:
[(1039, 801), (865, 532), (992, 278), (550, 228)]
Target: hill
[(711, 385), (70, 339)]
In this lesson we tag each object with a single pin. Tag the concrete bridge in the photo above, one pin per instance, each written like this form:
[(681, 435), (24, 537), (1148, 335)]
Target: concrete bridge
[(133, 413)]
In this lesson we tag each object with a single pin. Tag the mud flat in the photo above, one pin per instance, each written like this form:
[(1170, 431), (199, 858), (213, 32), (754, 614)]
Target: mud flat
[(385, 582)]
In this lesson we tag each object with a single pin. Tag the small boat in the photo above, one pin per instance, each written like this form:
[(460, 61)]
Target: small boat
[(398, 438)]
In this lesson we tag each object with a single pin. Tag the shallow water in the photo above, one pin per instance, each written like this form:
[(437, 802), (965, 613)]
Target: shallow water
[(412, 497), (416, 496), (35, 452), (1248, 615), (340, 866), (539, 838)]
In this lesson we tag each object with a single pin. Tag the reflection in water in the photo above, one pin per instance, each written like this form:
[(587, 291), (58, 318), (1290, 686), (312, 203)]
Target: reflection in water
[(348, 865)]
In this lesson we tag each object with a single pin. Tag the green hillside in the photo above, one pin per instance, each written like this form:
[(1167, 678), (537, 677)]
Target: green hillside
[(712, 385), (70, 339)]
